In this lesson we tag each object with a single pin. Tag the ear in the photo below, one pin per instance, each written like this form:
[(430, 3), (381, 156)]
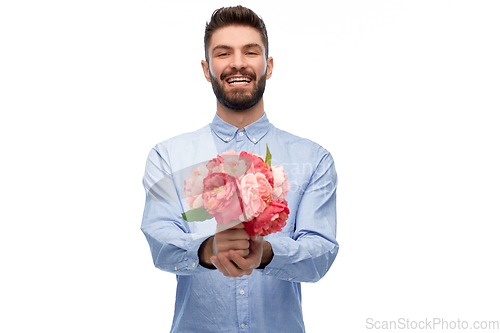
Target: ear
[(270, 65), (206, 70)]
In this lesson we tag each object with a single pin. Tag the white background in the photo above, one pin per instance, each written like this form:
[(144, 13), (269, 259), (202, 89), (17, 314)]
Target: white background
[(404, 94)]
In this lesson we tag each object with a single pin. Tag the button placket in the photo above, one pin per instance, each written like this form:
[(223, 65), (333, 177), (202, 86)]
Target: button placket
[(242, 305)]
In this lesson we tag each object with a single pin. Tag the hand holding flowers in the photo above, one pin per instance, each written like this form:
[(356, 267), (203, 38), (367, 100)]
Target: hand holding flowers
[(235, 265), (238, 187), (233, 252)]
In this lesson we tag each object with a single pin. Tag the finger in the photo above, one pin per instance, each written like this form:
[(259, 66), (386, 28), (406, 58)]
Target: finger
[(224, 245), (256, 245), (219, 266), (245, 264), (240, 234), (233, 245), (257, 238), (253, 259), (232, 234), (230, 267), (239, 226), (242, 253)]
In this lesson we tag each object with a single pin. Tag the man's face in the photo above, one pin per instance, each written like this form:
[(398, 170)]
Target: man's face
[(237, 67)]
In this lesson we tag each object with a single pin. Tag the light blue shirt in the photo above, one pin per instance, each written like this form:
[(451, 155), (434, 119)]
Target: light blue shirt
[(269, 300)]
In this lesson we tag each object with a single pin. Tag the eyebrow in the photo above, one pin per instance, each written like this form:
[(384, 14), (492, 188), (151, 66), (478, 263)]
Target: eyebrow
[(247, 46), (224, 47)]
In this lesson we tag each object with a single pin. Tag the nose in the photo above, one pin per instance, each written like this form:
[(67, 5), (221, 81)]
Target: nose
[(238, 60)]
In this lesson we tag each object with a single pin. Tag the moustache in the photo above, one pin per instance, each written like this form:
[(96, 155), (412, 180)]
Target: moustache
[(223, 76)]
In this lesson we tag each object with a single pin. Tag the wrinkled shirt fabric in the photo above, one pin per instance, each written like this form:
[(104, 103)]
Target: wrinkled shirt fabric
[(268, 300)]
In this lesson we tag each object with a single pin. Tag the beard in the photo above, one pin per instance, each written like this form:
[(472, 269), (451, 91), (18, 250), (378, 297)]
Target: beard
[(238, 99)]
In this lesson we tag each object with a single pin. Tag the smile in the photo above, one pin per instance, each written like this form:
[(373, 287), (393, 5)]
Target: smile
[(238, 80)]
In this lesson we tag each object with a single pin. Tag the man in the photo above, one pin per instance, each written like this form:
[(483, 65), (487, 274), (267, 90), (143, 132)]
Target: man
[(229, 281)]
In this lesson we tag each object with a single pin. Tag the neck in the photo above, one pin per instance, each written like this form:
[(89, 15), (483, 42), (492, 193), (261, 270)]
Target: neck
[(241, 118)]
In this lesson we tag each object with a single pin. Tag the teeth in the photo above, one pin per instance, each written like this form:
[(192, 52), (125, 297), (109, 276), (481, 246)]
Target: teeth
[(238, 80)]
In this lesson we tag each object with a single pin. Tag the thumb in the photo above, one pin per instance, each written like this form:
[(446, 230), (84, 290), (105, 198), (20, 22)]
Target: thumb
[(256, 238)]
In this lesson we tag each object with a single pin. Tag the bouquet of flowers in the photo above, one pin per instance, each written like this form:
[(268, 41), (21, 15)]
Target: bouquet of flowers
[(239, 186)]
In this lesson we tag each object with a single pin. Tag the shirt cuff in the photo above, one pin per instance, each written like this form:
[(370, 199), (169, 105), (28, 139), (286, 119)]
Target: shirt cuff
[(191, 263), (280, 259)]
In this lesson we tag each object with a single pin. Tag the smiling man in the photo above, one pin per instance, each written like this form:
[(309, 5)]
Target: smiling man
[(237, 69), (229, 281)]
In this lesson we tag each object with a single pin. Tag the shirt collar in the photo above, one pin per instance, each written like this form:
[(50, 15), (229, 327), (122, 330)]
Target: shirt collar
[(226, 132)]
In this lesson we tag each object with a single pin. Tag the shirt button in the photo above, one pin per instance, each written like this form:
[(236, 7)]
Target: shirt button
[(175, 267), (254, 140), (227, 139), (242, 292), (243, 325), (194, 264), (242, 133), (289, 279)]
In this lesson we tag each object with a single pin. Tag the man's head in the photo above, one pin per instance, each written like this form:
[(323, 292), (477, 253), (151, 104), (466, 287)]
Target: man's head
[(237, 62)]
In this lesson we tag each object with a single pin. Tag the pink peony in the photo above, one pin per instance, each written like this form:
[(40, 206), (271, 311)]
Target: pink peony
[(232, 164), (281, 184), (221, 197), (215, 165), (255, 194), (271, 220), (256, 164), (193, 186)]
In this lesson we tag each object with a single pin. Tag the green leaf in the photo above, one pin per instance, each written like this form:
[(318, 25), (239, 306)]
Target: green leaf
[(268, 156), (197, 214)]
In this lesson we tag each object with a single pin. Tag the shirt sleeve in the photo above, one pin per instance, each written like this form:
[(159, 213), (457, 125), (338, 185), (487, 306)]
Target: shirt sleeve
[(173, 247), (309, 253)]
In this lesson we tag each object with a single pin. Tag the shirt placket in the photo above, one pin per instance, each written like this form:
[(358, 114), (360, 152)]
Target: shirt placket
[(240, 140), (242, 303)]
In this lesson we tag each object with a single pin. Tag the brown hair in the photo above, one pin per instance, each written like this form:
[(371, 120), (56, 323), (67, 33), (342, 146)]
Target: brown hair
[(237, 15)]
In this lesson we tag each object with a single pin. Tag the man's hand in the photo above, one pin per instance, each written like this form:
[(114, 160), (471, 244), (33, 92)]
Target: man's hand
[(235, 239), (234, 253), (235, 265)]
